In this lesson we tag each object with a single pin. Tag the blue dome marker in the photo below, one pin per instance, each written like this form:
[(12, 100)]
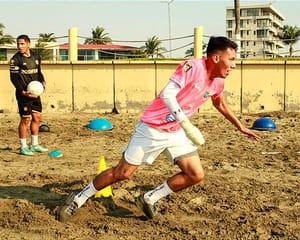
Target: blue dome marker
[(264, 123), (100, 124)]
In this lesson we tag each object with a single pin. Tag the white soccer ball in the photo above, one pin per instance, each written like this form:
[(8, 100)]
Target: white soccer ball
[(35, 88)]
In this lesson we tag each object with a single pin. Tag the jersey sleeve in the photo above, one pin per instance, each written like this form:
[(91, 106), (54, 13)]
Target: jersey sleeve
[(168, 96), (15, 77), (179, 76)]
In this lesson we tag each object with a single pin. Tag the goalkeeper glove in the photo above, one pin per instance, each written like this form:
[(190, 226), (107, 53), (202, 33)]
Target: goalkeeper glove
[(192, 132)]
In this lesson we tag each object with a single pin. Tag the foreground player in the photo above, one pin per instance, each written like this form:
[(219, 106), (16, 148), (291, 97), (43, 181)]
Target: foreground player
[(165, 127), (25, 66)]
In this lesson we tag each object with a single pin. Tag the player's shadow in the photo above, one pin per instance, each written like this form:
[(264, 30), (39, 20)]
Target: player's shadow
[(112, 209), (53, 195), (38, 195)]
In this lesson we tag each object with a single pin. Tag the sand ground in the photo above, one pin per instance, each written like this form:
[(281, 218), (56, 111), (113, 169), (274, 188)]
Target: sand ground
[(251, 189)]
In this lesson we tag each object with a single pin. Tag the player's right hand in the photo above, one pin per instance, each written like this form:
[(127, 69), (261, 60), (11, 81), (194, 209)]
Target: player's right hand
[(192, 132), (28, 94)]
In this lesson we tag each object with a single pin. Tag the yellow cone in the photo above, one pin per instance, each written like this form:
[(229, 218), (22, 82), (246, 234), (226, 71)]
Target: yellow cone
[(107, 191)]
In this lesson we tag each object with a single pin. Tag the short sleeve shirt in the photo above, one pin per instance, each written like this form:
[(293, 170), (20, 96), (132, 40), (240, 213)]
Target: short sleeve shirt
[(195, 89)]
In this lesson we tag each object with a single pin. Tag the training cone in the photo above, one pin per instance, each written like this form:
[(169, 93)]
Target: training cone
[(107, 191)]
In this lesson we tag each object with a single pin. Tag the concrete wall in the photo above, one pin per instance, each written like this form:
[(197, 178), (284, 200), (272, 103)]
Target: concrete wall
[(128, 86)]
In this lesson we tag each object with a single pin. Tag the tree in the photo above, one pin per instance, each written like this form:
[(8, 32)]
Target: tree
[(5, 38), (98, 37), (190, 52), (152, 47), (41, 45), (237, 16), (290, 35), (46, 37)]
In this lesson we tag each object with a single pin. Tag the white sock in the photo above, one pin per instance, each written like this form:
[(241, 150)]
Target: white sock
[(161, 191), (34, 140), (23, 142), (85, 194)]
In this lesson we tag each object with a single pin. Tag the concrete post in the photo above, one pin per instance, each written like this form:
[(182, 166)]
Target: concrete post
[(198, 42), (73, 45)]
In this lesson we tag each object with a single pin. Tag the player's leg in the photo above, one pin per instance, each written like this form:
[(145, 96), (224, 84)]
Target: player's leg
[(35, 123), (23, 126), (191, 173), (24, 112), (182, 152), (141, 149), (36, 116), (112, 175), (122, 171)]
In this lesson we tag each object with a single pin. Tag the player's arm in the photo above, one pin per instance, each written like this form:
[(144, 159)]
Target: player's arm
[(168, 95), (15, 78), (220, 104)]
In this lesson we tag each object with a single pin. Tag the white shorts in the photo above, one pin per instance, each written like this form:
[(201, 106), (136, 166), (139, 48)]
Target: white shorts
[(147, 143)]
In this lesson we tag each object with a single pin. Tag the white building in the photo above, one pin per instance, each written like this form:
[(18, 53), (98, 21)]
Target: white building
[(259, 28)]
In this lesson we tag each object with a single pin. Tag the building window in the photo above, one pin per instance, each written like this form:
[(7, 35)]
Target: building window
[(252, 12), (229, 34), (262, 23), (261, 33), (63, 54), (243, 12), (3, 53), (229, 24), (242, 23), (230, 13), (86, 54)]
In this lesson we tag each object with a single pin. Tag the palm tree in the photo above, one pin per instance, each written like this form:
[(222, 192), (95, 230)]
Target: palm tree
[(152, 47), (290, 35), (98, 37), (46, 37), (237, 16), (41, 45), (5, 38), (139, 53), (190, 52)]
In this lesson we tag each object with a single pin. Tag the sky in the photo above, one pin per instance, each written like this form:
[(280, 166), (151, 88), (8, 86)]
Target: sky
[(129, 22)]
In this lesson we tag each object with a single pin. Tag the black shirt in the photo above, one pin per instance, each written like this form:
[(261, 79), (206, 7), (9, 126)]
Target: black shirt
[(24, 70)]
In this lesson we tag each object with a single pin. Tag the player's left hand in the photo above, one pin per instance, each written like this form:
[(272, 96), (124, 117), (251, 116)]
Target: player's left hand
[(248, 132)]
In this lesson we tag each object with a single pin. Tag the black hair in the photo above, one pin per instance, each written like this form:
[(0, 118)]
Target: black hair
[(219, 44), (25, 37)]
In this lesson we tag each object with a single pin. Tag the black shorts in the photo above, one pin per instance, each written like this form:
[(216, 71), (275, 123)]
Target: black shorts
[(27, 107)]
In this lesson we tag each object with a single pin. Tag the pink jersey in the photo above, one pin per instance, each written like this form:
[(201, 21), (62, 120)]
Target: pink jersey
[(196, 89)]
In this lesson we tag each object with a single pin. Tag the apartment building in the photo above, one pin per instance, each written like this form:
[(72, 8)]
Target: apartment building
[(259, 28)]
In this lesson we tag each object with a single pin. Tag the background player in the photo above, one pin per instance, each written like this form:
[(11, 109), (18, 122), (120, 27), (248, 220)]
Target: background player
[(25, 66)]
